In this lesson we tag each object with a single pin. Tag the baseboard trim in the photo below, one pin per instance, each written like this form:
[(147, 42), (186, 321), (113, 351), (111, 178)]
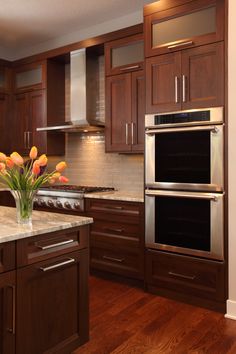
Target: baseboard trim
[(231, 310)]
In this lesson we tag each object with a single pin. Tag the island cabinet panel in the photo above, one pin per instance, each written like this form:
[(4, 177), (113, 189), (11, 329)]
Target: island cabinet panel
[(7, 312), (7, 256), (52, 305), (45, 246)]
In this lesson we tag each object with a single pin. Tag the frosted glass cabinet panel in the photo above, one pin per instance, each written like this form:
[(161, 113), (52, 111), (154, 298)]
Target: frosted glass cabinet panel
[(128, 54), (195, 24), (29, 78)]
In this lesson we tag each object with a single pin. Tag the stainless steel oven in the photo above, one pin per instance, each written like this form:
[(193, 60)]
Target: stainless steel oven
[(184, 150), (185, 222), (184, 182)]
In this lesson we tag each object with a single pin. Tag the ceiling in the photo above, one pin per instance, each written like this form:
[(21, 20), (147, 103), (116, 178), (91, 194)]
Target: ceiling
[(26, 24)]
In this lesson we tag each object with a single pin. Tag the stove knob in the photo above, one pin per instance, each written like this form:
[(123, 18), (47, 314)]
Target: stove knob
[(67, 205), (41, 202), (77, 206), (50, 203), (59, 204)]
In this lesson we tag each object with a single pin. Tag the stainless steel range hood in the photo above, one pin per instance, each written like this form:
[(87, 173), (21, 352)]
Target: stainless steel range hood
[(87, 111)]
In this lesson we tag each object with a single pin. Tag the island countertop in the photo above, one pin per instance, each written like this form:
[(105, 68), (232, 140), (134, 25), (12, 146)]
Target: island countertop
[(42, 223)]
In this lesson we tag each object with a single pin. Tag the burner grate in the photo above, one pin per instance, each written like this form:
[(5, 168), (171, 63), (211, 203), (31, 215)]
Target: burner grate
[(75, 188)]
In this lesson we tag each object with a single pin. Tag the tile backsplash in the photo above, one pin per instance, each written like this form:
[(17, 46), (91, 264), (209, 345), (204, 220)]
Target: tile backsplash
[(88, 164)]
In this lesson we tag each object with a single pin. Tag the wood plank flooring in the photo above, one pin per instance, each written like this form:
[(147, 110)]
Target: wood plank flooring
[(126, 320)]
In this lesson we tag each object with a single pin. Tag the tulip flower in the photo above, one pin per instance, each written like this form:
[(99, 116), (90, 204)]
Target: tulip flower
[(10, 164), (51, 180), (36, 169), (56, 175), (61, 166), (63, 179), (42, 160), (17, 158), (2, 167), (33, 153), (2, 157)]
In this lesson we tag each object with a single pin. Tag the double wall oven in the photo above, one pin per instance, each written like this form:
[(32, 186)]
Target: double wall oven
[(184, 182)]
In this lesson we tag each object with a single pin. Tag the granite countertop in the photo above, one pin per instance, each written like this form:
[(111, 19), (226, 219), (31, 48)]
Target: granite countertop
[(42, 223), (117, 195)]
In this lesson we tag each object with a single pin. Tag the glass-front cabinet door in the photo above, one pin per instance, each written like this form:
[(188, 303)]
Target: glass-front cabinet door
[(184, 26), (29, 77)]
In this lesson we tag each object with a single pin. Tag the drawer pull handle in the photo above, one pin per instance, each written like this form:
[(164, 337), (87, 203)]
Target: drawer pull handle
[(181, 44), (182, 276), (120, 231), (58, 265), (119, 260), (13, 329), (57, 244), (114, 207), (130, 67)]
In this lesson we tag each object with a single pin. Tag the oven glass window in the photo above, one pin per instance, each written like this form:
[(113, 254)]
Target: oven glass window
[(183, 157), (183, 222)]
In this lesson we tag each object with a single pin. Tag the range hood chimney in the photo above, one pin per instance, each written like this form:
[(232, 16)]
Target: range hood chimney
[(86, 94)]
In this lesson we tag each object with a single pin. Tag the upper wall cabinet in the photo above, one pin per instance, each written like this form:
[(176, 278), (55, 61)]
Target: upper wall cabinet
[(30, 77), (124, 55), (5, 79), (173, 25)]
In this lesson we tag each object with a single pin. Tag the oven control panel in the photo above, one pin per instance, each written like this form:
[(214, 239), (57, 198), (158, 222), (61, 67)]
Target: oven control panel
[(59, 203)]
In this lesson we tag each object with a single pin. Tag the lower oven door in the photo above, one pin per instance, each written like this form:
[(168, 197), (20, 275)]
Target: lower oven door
[(185, 222)]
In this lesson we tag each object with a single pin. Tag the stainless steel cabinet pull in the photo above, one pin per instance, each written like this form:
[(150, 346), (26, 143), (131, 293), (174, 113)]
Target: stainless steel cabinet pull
[(25, 140), (212, 128), (132, 133), (120, 231), (114, 207), (13, 328), (195, 195), (126, 133), (58, 265), (184, 88), (119, 260), (130, 67), (182, 276), (28, 140), (57, 244), (176, 89), (180, 44)]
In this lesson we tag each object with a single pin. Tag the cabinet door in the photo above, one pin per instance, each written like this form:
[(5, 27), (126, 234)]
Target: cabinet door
[(30, 76), (52, 300), (203, 76), (138, 111), (163, 83), (37, 118), (21, 117), (5, 144), (118, 113), (7, 311)]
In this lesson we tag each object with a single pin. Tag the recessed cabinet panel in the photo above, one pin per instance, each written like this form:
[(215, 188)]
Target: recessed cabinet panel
[(185, 26), (2, 80)]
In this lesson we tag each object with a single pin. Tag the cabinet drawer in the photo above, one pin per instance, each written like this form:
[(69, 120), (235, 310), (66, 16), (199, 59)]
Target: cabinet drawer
[(122, 229), (116, 255), (7, 256), (42, 247), (191, 276), (112, 207)]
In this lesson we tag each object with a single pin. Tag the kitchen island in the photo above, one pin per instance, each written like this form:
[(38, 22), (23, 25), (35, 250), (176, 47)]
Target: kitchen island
[(43, 283)]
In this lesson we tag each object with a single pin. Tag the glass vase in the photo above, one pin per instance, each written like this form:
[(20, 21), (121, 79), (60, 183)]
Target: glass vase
[(24, 205)]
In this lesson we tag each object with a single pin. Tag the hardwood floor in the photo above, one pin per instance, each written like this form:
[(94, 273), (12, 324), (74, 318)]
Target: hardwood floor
[(125, 319)]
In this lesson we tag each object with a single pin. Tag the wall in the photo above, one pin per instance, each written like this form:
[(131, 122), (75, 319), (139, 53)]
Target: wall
[(231, 303)]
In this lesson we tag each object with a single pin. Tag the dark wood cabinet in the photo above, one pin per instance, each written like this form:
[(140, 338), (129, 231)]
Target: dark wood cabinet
[(5, 106), (5, 77), (117, 237), (199, 281), (125, 108), (30, 77), (52, 300), (173, 25), (7, 311), (192, 78)]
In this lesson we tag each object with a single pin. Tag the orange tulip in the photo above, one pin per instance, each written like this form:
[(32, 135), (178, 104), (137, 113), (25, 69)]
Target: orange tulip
[(2, 167), (61, 166), (2, 157), (9, 163), (33, 153), (56, 175), (63, 179), (42, 160), (51, 180), (36, 169), (17, 158)]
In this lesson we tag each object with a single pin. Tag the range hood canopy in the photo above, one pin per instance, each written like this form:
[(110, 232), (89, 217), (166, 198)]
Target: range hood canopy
[(87, 111)]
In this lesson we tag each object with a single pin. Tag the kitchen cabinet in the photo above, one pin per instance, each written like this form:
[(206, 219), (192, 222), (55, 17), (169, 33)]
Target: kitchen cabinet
[(192, 78), (173, 25), (39, 100), (124, 55), (198, 281), (5, 106), (117, 237), (5, 78), (125, 109)]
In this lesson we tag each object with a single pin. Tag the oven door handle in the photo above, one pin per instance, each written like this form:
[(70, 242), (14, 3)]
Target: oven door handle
[(195, 195), (211, 128)]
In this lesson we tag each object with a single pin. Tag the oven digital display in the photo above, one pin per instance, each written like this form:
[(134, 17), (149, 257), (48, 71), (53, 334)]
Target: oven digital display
[(185, 117)]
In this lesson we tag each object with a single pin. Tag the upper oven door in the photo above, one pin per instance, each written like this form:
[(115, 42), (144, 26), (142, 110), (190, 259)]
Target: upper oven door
[(185, 158)]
